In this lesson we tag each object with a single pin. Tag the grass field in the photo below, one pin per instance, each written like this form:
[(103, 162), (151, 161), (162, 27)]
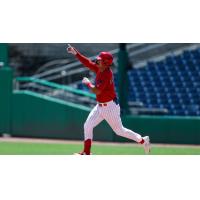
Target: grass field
[(64, 148)]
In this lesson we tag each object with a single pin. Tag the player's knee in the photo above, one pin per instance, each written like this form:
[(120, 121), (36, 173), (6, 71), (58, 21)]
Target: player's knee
[(118, 130), (88, 131)]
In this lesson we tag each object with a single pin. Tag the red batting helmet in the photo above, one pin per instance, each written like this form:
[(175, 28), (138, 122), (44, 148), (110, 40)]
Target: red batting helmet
[(106, 57)]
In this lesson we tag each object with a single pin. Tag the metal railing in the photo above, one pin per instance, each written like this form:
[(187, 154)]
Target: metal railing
[(52, 85), (143, 50), (71, 66), (68, 70)]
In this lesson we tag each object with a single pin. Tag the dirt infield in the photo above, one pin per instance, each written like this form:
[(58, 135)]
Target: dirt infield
[(62, 141)]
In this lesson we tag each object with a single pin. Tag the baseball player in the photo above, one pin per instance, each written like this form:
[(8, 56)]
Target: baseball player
[(107, 107)]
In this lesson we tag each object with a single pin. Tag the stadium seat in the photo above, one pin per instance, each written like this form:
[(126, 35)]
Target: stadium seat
[(172, 83)]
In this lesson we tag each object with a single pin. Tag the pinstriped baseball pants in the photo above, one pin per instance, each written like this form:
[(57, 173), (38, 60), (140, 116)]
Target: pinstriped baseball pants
[(110, 113)]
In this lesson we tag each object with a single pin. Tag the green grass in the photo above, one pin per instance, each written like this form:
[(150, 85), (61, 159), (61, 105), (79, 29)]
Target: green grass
[(22, 148)]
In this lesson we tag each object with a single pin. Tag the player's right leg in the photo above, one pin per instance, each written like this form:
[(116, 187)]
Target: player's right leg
[(113, 118), (94, 118)]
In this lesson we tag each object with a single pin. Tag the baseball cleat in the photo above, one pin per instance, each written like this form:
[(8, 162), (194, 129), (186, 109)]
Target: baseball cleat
[(147, 145), (82, 154)]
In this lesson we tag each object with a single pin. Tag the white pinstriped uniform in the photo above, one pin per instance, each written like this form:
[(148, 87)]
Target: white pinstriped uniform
[(110, 113)]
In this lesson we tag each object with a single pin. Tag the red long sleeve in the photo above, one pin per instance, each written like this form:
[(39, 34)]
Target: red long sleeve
[(87, 62)]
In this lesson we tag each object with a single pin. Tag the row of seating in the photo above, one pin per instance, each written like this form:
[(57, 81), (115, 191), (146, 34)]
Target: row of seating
[(173, 83)]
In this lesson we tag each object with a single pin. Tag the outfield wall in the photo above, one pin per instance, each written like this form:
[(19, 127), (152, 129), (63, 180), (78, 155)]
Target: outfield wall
[(171, 130), (28, 114), (36, 115)]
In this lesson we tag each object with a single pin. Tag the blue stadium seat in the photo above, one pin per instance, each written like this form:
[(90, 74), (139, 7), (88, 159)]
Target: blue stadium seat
[(172, 83)]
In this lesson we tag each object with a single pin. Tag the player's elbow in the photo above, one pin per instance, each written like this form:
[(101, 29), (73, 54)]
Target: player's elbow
[(96, 91)]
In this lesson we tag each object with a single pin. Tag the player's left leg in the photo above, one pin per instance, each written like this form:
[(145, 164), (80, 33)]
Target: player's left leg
[(112, 116), (94, 118)]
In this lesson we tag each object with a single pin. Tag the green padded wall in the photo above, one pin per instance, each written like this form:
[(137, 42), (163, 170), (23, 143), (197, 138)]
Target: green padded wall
[(40, 116), (36, 115), (161, 129)]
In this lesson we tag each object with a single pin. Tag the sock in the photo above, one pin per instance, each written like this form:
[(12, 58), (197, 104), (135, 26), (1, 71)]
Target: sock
[(87, 146), (142, 141)]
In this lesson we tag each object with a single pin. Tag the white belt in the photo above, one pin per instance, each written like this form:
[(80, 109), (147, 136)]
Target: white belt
[(105, 103)]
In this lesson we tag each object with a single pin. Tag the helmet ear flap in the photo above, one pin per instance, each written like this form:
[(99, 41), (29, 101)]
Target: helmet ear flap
[(106, 57)]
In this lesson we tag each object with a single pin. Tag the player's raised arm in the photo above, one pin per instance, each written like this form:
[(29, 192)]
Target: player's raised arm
[(84, 60)]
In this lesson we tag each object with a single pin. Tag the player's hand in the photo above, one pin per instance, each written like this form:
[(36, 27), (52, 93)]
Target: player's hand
[(71, 50), (86, 81)]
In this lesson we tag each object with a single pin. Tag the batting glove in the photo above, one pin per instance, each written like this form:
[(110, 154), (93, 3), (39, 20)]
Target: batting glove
[(85, 81)]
